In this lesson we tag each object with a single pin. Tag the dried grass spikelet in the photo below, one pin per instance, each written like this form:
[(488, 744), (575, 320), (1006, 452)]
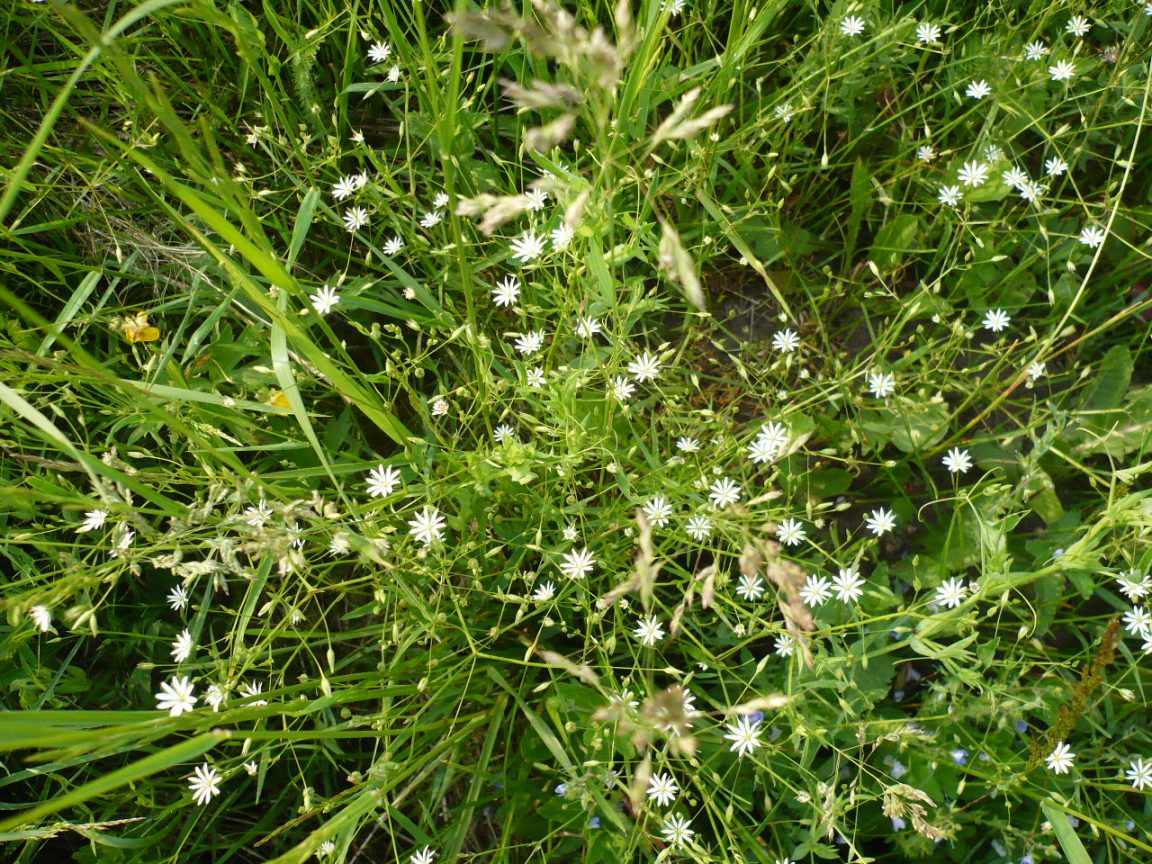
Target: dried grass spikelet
[(497, 209), (678, 266), (789, 578), (679, 126), (543, 138), (541, 94), (903, 800), (644, 572)]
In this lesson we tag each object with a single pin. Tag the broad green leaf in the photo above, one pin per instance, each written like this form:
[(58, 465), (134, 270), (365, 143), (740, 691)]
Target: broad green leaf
[(894, 240), (1070, 844)]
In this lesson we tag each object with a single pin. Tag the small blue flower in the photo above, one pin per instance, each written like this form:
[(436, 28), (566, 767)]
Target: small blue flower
[(594, 822), (1021, 726), (561, 788), (960, 756), (755, 716)]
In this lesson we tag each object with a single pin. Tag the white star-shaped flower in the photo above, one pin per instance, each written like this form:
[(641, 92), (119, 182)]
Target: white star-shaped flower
[(648, 630), (662, 789), (957, 461), (428, 526), (744, 735), (204, 784), (880, 521), (175, 696), (1060, 759), (382, 481), (577, 563)]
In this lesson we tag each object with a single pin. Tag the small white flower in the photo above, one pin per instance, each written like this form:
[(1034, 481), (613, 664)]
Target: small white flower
[(816, 591), (204, 784), (1055, 166), (1134, 584), (784, 113), (1137, 621), (1078, 25), (648, 630), (544, 592), (344, 187), (645, 367), (182, 647), (957, 461), (1035, 50), (996, 320), (587, 327), (1036, 369), (672, 7), (529, 343), (325, 849), (658, 511), (424, 856), (744, 735), (978, 90), (1064, 70), (699, 527), (677, 831), (784, 645), (534, 377), (439, 407), (1015, 177), (927, 33), (1060, 759), (379, 52), (687, 444), (537, 199), (253, 688), (973, 173), (440, 201), (723, 492), (662, 789), (750, 587), (1092, 236), (848, 585), (1139, 773), (853, 25), (175, 696), (393, 246), (431, 218), (428, 526), (178, 598), (882, 384), (880, 522), (93, 519), (324, 300), (42, 617), (951, 592), (504, 432), (527, 247), (382, 481), (925, 152), (622, 389), (578, 563), (393, 74), (790, 532), (949, 195), (355, 218), (786, 341), (250, 768)]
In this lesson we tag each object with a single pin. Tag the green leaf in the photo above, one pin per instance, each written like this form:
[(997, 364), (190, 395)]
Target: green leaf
[(860, 202), (1070, 844), (894, 240), (910, 426)]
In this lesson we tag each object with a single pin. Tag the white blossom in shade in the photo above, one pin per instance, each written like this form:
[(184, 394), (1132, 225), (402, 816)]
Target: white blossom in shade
[(658, 511), (506, 292), (529, 343), (41, 617), (325, 849), (784, 645), (259, 515), (1139, 773), (848, 585), (394, 245), (537, 199), (645, 367), (750, 587), (253, 688), (993, 153), (182, 647), (853, 25), (925, 152), (744, 735), (178, 598), (324, 300), (672, 7), (534, 377), (175, 696), (977, 90), (949, 195), (439, 407), (786, 341), (951, 592), (880, 521), (570, 533), (790, 532), (784, 113), (1063, 70), (973, 173), (677, 831), (428, 526), (662, 789), (504, 432), (723, 492), (762, 450), (251, 767), (1015, 177), (586, 327), (527, 247), (562, 236), (927, 33), (1078, 25), (957, 461), (1035, 50), (122, 540), (816, 591), (1055, 166), (1032, 191), (440, 201), (622, 389), (1036, 370), (423, 856), (544, 592), (344, 187), (204, 783), (1137, 621), (215, 696), (379, 52), (1134, 584), (577, 563), (1060, 759), (699, 527), (1092, 236), (355, 218), (431, 219), (687, 444), (382, 481), (996, 320), (93, 519), (648, 630), (393, 74), (882, 384)]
